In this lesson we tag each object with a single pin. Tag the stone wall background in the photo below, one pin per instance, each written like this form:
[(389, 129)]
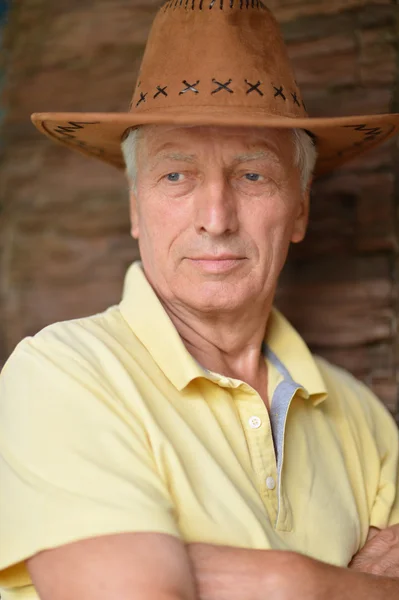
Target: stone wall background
[(64, 227)]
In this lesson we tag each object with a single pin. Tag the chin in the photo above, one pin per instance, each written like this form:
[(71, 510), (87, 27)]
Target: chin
[(209, 298)]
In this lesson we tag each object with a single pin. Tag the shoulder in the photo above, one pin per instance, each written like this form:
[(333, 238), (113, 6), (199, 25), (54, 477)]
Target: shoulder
[(72, 366), (68, 345), (351, 399), (69, 381)]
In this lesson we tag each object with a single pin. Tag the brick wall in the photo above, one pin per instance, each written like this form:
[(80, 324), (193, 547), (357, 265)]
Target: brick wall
[(65, 244)]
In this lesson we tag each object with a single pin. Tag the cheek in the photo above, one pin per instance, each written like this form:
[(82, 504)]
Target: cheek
[(268, 220), (161, 222)]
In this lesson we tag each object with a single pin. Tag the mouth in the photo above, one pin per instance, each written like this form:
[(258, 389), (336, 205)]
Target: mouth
[(216, 264)]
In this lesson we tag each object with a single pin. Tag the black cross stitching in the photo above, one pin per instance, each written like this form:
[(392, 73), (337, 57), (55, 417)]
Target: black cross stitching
[(280, 92), (200, 4), (370, 133), (295, 98), (143, 98), (161, 90), (254, 87), (312, 136), (231, 3), (212, 4), (223, 86), (191, 87), (68, 130)]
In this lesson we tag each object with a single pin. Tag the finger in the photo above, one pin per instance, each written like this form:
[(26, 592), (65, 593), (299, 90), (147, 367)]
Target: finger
[(373, 531)]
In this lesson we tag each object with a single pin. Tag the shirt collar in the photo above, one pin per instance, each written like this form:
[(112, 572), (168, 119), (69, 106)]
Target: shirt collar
[(291, 350), (146, 316), (149, 321)]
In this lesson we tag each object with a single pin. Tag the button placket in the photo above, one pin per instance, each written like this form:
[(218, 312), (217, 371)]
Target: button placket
[(257, 428), (254, 422)]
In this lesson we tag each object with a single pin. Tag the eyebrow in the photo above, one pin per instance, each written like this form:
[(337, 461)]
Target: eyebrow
[(176, 156), (258, 155), (191, 158)]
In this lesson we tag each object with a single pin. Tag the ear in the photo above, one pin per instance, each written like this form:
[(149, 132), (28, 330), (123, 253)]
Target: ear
[(302, 217), (134, 217)]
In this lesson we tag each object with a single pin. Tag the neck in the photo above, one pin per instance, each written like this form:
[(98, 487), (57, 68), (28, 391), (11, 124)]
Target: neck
[(230, 345)]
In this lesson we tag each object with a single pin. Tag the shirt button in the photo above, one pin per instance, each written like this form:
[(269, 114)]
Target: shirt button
[(271, 484), (254, 422)]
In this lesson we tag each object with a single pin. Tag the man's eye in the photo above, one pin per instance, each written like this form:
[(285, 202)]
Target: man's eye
[(174, 177), (253, 177)]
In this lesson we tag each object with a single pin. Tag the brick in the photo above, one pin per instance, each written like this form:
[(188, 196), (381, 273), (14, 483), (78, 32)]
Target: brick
[(377, 58)]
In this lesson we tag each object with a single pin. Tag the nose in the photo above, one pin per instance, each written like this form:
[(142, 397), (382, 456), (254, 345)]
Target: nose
[(215, 208)]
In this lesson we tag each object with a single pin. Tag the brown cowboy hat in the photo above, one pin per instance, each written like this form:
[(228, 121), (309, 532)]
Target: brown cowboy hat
[(217, 62)]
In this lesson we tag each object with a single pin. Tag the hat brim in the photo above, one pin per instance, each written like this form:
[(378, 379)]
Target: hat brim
[(99, 135)]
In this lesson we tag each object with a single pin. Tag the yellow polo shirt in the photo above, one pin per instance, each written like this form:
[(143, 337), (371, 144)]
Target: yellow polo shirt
[(108, 425)]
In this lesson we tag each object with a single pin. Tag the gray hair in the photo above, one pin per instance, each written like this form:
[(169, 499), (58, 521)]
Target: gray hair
[(305, 155)]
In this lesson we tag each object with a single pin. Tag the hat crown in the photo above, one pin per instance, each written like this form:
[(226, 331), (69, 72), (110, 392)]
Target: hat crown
[(209, 4), (217, 54)]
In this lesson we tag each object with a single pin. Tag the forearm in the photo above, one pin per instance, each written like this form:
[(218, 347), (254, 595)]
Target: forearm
[(226, 573)]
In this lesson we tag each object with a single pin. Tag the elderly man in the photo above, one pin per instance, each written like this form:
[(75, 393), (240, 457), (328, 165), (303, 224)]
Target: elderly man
[(186, 444)]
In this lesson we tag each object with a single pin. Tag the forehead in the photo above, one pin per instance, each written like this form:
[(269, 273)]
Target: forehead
[(161, 138)]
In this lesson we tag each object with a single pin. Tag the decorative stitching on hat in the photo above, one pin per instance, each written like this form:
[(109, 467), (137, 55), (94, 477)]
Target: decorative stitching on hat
[(295, 98), (370, 133), (161, 90), (222, 86), (67, 131), (312, 136), (254, 87), (190, 87), (143, 98), (213, 3), (280, 92)]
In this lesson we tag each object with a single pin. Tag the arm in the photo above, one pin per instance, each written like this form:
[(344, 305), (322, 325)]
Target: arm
[(136, 566), (224, 573)]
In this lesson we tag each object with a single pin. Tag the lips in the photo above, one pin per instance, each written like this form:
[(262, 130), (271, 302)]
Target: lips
[(219, 257), (216, 265)]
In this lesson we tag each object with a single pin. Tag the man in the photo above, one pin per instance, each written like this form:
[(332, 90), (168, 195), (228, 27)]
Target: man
[(185, 443)]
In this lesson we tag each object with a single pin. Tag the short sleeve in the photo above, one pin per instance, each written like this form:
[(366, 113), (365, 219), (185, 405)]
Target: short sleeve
[(75, 462), (394, 513), (385, 511)]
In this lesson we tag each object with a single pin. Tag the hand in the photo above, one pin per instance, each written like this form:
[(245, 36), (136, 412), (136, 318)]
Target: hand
[(380, 554)]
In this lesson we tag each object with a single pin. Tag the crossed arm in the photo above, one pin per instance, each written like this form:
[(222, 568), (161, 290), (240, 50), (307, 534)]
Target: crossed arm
[(150, 566)]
